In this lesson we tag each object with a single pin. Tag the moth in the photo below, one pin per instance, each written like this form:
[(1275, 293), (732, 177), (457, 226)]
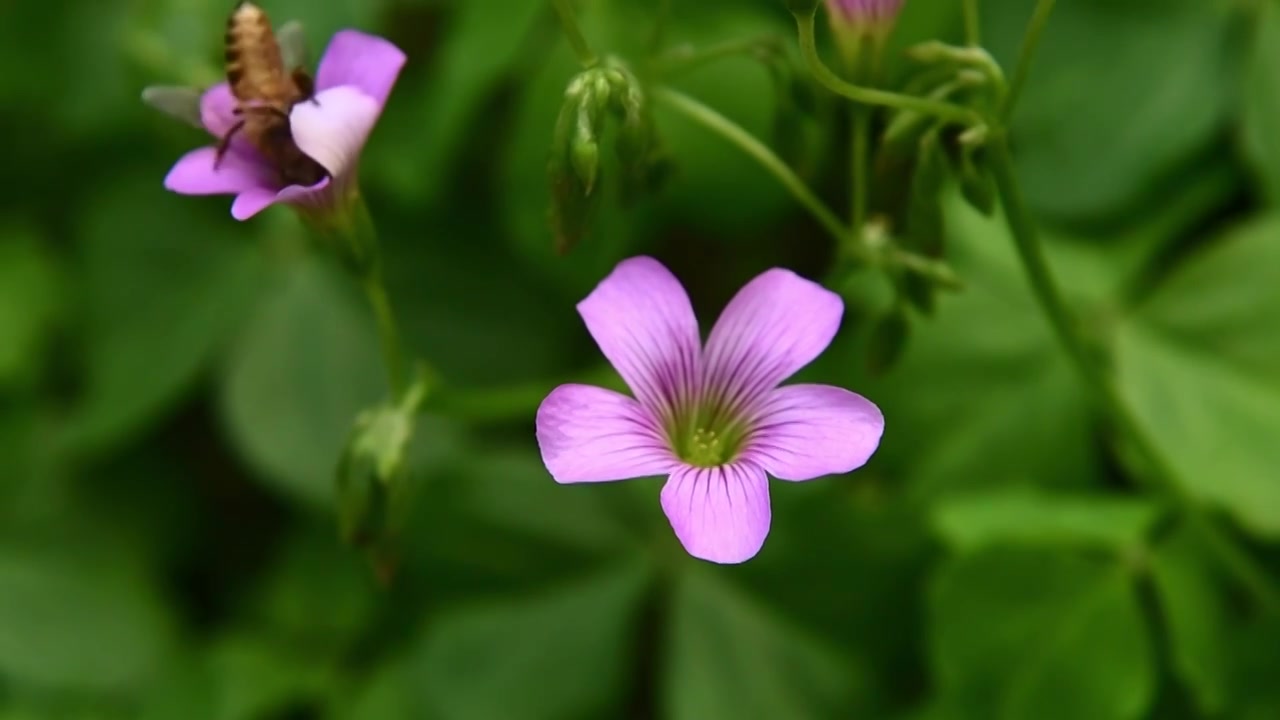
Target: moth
[(265, 93)]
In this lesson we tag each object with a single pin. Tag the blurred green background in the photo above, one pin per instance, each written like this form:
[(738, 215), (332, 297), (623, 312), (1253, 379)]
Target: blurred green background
[(175, 388)]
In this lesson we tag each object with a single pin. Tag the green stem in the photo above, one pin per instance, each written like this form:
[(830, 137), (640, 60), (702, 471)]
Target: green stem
[(871, 96), (1101, 386), (860, 129), (388, 331), (676, 61), (354, 239), (756, 150), (972, 26), (569, 22), (1030, 41)]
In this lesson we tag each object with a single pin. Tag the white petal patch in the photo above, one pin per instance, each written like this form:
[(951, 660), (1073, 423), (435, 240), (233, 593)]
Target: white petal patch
[(334, 128)]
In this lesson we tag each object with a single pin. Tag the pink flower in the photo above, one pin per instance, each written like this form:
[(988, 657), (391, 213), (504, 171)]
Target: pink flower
[(865, 13), (354, 79), (713, 419)]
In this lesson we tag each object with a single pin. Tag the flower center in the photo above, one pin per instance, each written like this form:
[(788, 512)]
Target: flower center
[(708, 442)]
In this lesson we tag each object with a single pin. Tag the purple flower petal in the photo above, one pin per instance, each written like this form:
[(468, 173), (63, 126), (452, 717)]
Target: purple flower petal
[(719, 514), (193, 174), (216, 109), (367, 62), (590, 434), (641, 318), (333, 129), (776, 324), (807, 431), (251, 202)]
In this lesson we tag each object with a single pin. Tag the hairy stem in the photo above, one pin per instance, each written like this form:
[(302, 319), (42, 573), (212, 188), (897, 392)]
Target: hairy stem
[(569, 23), (1105, 395), (1030, 41), (871, 96), (756, 150), (388, 331)]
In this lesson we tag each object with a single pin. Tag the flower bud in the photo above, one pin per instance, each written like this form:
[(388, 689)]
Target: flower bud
[(855, 22), (865, 15), (373, 476), (606, 91), (584, 154)]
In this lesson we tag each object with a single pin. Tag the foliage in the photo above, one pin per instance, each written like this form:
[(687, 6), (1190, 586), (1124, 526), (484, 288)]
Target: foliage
[(176, 387)]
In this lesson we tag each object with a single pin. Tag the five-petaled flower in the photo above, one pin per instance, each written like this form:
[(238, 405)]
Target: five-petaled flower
[(352, 83), (712, 418)]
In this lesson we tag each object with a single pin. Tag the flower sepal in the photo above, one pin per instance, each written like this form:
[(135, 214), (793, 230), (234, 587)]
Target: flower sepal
[(373, 476)]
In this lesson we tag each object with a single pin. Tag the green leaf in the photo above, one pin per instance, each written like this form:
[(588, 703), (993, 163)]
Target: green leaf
[(1255, 655), (1033, 517), (304, 367), (513, 492), (162, 291), (318, 593), (1261, 99), (1196, 361), (433, 112), (732, 659), (250, 677), (1031, 634), (562, 653), (390, 692), (715, 186), (30, 287), (1195, 612), (1092, 128), (79, 619), (984, 380)]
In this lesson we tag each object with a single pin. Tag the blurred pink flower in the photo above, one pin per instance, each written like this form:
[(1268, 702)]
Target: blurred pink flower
[(713, 419), (354, 79), (865, 13)]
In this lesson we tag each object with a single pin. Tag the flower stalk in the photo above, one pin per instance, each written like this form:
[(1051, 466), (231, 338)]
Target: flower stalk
[(353, 237), (756, 150), (972, 26), (1030, 42), (578, 41)]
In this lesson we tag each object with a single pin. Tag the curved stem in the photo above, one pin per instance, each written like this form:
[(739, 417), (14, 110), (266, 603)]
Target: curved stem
[(870, 96), (1030, 41), (1100, 385), (569, 22), (860, 139), (758, 151), (676, 61)]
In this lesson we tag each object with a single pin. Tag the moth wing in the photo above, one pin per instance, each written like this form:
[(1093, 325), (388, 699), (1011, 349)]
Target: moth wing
[(182, 103), (293, 46)]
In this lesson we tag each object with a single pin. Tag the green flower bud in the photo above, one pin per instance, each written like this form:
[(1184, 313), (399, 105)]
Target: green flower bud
[(584, 154), (373, 476), (591, 98)]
